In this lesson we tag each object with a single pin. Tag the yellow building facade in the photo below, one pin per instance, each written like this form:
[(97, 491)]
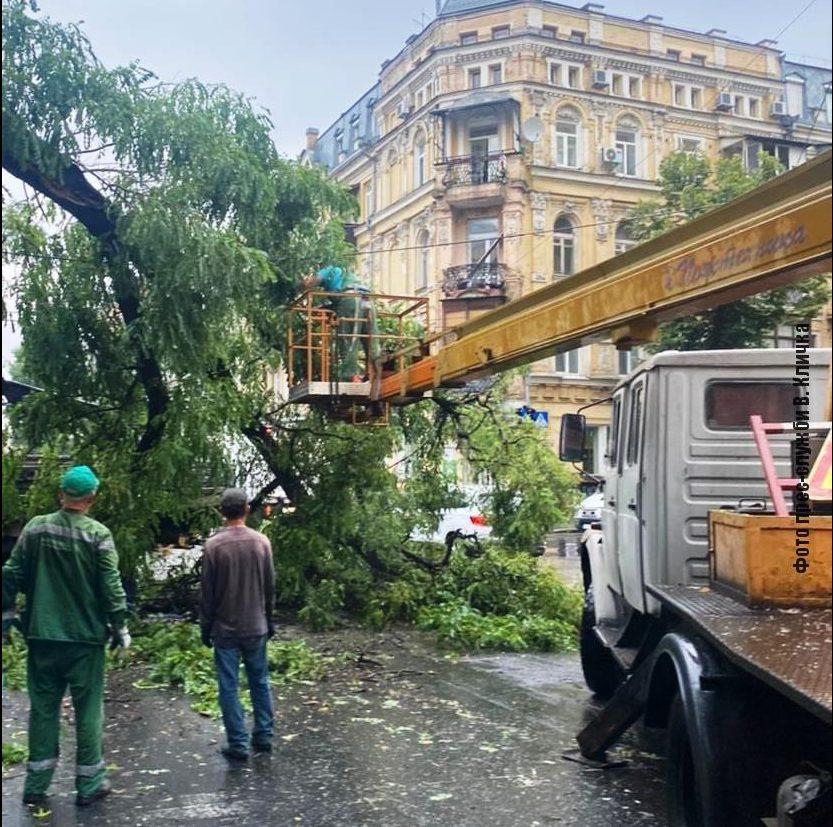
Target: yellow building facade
[(505, 144)]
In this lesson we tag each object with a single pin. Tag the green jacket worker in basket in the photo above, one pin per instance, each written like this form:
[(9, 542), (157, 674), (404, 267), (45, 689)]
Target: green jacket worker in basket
[(65, 564), (357, 328)]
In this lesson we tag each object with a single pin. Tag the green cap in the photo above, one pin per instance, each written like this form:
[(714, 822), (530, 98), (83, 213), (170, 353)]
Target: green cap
[(79, 481)]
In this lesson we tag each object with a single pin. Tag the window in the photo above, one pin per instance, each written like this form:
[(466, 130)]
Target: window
[(574, 77), (495, 74), (418, 100), (611, 453), (555, 74), (740, 105), (474, 78), (696, 98), (679, 95), (754, 108), (567, 362), (624, 240), (422, 259), (419, 160), (690, 145), (617, 84), (635, 426), (634, 90), (698, 60), (730, 404), (627, 136), (673, 54), (564, 246), (499, 32), (626, 361), (576, 37), (468, 37), (567, 126), (550, 32), (483, 233)]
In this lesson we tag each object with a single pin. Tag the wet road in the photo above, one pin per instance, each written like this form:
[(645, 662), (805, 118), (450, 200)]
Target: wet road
[(404, 737)]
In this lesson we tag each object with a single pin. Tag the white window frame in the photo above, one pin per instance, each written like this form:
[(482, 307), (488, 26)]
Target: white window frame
[(578, 69), (571, 359), (368, 200), (501, 32), (754, 103), (468, 38), (561, 143), (628, 82), (555, 67), (629, 150), (550, 32), (470, 74), (492, 66), (562, 241), (700, 93), (420, 176), (629, 358), (739, 106), (422, 259)]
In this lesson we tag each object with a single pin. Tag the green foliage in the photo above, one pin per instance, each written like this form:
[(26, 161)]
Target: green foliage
[(13, 753), (14, 662), (177, 658), (13, 503), (691, 186), (502, 601)]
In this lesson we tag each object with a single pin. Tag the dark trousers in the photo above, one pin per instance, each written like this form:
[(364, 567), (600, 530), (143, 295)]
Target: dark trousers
[(227, 654)]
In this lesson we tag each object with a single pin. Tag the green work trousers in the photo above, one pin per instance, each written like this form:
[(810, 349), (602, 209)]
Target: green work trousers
[(52, 667)]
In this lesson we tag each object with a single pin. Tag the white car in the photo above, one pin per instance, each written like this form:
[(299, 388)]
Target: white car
[(468, 520), (590, 511)]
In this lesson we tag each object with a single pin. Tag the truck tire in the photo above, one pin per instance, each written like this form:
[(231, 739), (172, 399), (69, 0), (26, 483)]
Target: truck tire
[(683, 801), (601, 672)]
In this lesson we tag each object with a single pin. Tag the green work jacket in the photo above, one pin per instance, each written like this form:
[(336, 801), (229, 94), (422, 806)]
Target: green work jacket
[(67, 567)]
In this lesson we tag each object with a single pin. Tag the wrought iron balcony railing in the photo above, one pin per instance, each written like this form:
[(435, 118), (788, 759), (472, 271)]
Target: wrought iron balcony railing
[(463, 277), (475, 169)]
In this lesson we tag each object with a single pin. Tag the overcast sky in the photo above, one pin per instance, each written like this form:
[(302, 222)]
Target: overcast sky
[(306, 62)]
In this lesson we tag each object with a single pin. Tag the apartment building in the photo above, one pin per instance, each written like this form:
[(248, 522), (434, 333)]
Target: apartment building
[(504, 145)]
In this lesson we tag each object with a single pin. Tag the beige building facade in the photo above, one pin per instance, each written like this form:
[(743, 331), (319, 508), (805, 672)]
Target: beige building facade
[(504, 145)]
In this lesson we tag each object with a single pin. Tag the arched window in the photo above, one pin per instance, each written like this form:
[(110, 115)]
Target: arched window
[(624, 238), (422, 259), (627, 144), (419, 160), (564, 246), (568, 148)]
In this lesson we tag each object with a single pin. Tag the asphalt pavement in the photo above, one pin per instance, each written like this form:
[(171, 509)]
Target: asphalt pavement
[(404, 736)]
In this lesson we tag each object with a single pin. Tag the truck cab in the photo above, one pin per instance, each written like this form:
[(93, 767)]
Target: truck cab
[(679, 446)]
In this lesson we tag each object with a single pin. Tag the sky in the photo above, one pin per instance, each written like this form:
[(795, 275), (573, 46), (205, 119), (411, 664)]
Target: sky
[(307, 62)]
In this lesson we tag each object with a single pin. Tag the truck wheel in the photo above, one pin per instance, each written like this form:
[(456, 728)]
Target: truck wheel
[(682, 795), (601, 672)]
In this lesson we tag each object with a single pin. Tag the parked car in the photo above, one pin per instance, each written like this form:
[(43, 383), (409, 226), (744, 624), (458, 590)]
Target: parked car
[(468, 520), (590, 511)]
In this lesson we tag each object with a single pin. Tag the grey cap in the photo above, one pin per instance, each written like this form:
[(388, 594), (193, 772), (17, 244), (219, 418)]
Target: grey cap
[(233, 499)]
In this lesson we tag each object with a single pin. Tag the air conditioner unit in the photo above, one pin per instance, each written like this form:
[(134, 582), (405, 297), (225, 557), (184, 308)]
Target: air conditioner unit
[(404, 109), (600, 79), (611, 157), (778, 109), (724, 102)]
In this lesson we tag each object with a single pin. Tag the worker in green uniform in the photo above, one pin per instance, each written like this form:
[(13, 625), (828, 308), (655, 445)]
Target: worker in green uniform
[(66, 565), (353, 307)]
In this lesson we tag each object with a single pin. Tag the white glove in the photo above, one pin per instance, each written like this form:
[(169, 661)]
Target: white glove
[(121, 640)]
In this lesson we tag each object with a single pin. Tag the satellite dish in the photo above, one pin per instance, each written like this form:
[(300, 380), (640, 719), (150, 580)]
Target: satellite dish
[(532, 129)]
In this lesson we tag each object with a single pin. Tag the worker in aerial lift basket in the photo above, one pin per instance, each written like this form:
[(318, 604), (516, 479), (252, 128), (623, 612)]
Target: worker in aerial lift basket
[(358, 353)]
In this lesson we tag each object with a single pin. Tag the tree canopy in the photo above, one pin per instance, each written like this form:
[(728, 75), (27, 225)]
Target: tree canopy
[(690, 186), (156, 244)]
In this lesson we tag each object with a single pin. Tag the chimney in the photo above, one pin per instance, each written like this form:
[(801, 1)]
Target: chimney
[(312, 138)]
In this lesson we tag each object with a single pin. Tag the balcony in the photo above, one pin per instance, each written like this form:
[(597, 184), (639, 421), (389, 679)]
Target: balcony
[(464, 280), (476, 180)]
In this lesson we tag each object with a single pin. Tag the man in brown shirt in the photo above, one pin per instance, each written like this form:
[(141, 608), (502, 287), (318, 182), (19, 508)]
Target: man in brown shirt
[(238, 590)]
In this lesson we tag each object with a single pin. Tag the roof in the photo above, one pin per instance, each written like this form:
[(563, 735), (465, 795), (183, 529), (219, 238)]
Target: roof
[(451, 7), (478, 98), (816, 79), (352, 130)]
